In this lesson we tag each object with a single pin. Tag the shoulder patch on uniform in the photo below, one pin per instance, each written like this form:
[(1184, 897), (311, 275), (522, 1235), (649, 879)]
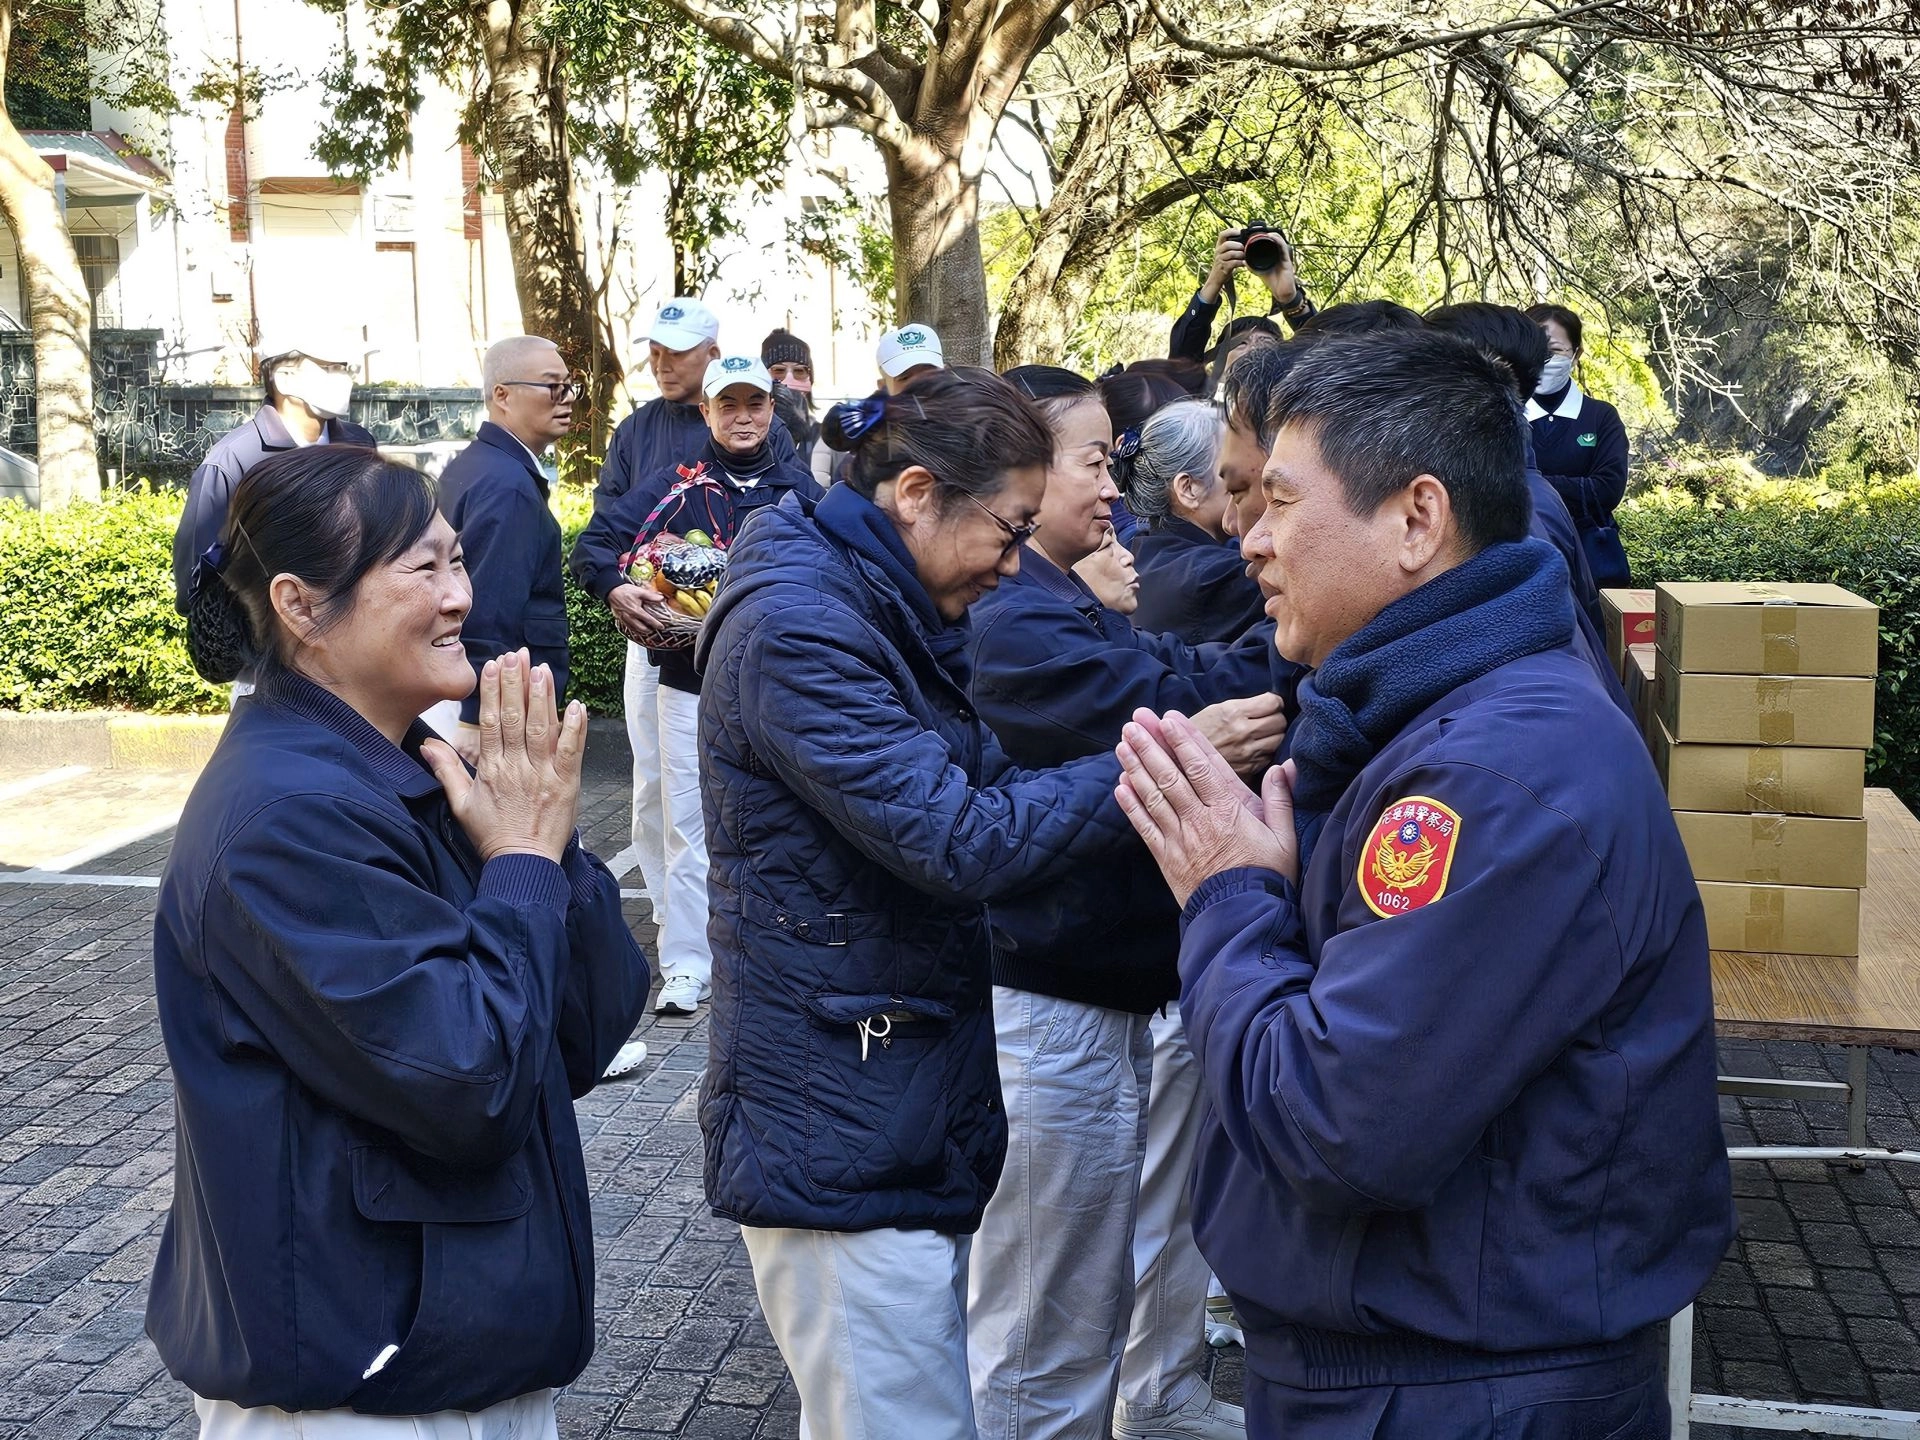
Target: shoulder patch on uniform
[(1407, 858)]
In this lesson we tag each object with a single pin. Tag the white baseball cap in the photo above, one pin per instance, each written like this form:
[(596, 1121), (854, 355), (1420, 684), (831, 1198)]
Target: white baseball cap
[(684, 324), (908, 348), (736, 370), (314, 339)]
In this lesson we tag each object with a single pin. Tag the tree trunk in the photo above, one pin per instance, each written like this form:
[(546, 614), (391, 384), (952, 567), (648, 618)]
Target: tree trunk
[(526, 142), (60, 309), (940, 278)]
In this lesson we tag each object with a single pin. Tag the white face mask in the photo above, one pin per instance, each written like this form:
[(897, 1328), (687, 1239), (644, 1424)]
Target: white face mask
[(327, 393), (1554, 375)]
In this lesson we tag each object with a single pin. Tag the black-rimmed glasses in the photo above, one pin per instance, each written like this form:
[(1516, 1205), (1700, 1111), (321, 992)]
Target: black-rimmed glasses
[(558, 391), (1017, 535)]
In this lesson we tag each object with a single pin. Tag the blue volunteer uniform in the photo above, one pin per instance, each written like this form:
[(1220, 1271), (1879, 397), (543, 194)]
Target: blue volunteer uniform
[(376, 1040), (210, 487), (1193, 586), (661, 433), (1582, 449), (495, 494), (730, 487), (1463, 1154), (1056, 675), (1553, 524)]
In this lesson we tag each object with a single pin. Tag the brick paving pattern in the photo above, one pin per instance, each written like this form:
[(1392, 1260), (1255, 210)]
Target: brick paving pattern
[(1819, 1299)]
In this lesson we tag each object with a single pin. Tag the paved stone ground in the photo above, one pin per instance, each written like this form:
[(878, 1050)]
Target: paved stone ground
[(1819, 1300)]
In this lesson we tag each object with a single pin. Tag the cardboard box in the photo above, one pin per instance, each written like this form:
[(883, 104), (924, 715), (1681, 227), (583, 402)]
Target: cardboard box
[(1638, 676), (1728, 629), (1781, 919), (1629, 617), (1775, 849), (1832, 712), (1774, 779)]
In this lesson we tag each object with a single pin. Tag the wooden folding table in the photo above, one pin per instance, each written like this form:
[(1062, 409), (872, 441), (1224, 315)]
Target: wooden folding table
[(1857, 1003)]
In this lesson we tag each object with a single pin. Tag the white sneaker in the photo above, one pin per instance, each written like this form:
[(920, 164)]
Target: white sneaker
[(680, 995), (1223, 1326), (1202, 1418), (626, 1060)]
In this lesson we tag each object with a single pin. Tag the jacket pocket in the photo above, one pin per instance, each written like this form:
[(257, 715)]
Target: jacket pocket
[(878, 1090), (479, 1240), (545, 631)]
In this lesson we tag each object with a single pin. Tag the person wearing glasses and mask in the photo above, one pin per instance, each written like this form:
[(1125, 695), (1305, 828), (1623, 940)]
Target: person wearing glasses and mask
[(308, 372), (494, 493)]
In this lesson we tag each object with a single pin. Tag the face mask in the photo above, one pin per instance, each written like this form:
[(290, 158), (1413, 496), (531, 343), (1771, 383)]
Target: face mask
[(326, 393), (1554, 375)]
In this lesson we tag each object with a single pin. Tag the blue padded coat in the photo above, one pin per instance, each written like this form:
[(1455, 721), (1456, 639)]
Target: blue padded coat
[(860, 820)]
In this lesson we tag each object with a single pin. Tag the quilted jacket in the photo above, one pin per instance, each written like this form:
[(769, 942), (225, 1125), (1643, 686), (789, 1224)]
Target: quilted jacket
[(860, 819)]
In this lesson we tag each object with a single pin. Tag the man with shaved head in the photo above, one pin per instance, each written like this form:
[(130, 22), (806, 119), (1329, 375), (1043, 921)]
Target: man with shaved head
[(495, 494)]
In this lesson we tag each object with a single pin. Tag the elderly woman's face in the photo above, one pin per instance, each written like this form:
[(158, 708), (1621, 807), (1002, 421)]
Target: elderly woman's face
[(398, 647), (1077, 513), (1110, 574)]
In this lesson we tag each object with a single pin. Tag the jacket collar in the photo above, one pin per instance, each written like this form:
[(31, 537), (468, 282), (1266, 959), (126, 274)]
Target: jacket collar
[(1036, 569), (274, 434), (1567, 409), (397, 767), (508, 443)]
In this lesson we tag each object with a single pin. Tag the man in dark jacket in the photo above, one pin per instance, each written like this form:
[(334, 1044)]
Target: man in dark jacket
[(495, 494), (1449, 992), (1193, 331), (709, 489), (308, 373)]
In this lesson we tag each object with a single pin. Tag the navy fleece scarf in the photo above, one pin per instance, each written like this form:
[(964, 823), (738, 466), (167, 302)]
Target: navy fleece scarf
[(867, 531), (1506, 602)]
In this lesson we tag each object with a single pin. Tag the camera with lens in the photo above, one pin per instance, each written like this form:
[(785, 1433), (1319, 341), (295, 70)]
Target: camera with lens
[(1265, 246)]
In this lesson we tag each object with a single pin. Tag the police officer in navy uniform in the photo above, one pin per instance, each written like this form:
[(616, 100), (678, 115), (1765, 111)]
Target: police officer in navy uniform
[(1581, 446), (1449, 991)]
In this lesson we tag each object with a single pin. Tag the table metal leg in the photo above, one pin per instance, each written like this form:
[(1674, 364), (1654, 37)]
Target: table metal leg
[(1858, 1057), (1680, 1372)]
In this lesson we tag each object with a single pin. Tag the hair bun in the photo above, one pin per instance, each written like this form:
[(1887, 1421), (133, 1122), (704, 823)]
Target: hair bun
[(219, 637)]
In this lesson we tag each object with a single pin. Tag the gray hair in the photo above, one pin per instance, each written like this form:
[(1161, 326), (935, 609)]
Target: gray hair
[(506, 357), (1181, 439)]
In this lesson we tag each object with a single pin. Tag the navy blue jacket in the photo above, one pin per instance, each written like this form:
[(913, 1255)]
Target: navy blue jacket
[(1553, 524), (1055, 676), (1584, 457), (1193, 586), (376, 1041), (1485, 1122), (659, 434), (621, 521), (494, 494), (860, 821), (210, 487)]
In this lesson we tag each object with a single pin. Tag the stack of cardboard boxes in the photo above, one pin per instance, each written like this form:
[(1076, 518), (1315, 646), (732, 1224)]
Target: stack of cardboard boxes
[(1758, 705)]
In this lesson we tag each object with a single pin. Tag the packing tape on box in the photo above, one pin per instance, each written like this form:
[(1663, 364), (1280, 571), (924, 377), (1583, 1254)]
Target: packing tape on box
[(1766, 919), (1766, 780), (1780, 637), (1769, 833), (1775, 704)]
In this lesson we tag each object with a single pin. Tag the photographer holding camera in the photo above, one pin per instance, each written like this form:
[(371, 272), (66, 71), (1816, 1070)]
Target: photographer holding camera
[(1258, 247)]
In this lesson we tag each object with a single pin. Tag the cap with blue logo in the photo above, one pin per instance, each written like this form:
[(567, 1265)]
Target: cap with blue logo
[(684, 324), (908, 348), (736, 370)]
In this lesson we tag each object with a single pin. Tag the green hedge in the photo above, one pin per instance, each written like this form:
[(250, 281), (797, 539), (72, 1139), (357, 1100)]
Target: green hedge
[(1867, 541), (87, 619)]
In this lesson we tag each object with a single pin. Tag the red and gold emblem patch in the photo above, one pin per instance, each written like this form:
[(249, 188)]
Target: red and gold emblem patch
[(1407, 858)]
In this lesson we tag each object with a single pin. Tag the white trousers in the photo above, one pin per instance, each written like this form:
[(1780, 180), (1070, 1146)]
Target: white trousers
[(1165, 1364), (525, 1417), (1050, 1294), (669, 831), (873, 1327)]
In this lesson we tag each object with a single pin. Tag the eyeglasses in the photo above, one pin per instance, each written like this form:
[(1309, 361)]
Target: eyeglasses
[(558, 391), (1017, 535)]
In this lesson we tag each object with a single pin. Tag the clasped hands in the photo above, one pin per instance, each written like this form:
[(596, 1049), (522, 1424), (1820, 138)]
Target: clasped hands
[(1197, 817)]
